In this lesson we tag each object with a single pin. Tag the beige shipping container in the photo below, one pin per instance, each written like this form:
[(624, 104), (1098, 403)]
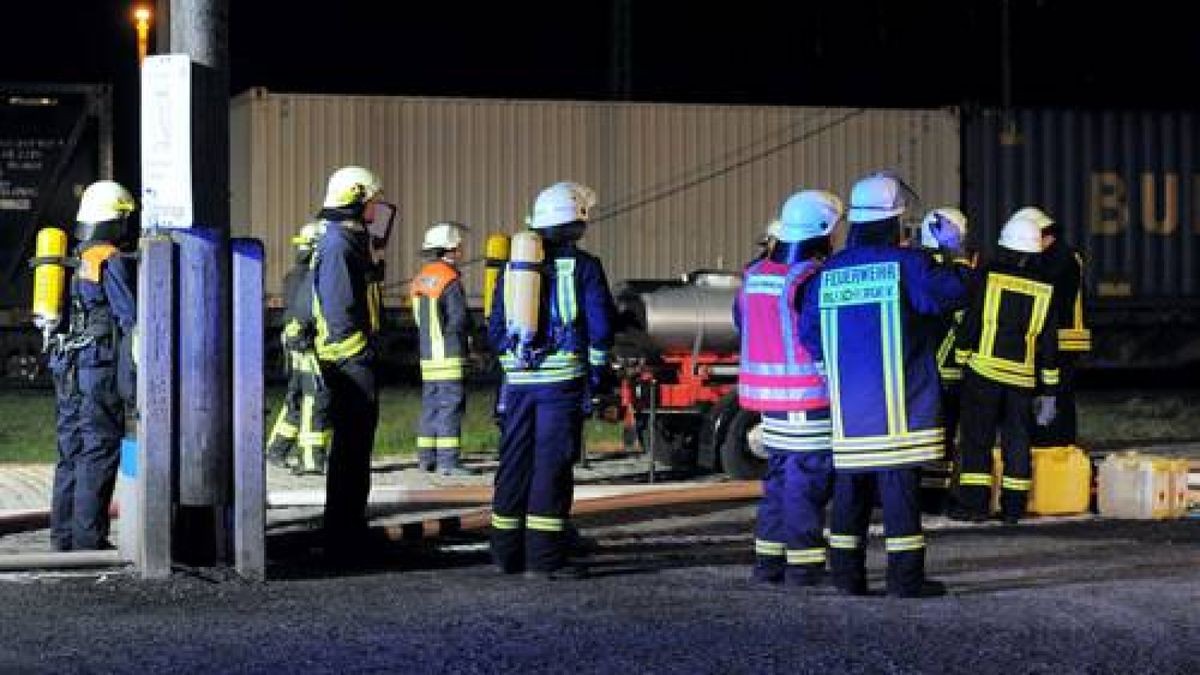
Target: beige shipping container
[(681, 187)]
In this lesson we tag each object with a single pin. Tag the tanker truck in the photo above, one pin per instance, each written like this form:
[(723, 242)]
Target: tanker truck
[(677, 359)]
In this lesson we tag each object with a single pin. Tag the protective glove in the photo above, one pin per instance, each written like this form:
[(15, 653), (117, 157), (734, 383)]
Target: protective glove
[(949, 238), (1044, 410)]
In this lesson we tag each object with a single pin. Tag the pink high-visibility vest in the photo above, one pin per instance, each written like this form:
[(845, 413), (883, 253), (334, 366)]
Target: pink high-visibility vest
[(776, 372)]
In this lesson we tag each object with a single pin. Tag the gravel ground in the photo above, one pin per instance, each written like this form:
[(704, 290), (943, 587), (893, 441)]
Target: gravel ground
[(669, 594)]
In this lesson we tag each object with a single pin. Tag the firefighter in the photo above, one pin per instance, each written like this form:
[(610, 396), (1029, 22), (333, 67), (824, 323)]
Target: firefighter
[(304, 418), (778, 378), (1062, 267), (552, 324), (858, 320), (937, 476), (439, 306), (1008, 342), (346, 314), (89, 361)]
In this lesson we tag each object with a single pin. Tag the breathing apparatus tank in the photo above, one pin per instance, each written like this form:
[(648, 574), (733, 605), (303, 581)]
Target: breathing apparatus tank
[(495, 257), (522, 295), (49, 281)]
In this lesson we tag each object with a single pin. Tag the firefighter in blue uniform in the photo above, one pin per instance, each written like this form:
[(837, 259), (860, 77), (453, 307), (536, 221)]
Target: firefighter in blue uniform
[(303, 420), (1008, 342), (92, 367), (938, 476), (346, 313), (1062, 267), (861, 318), (778, 378), (439, 306), (551, 369)]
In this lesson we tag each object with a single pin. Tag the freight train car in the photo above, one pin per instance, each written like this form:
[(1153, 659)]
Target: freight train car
[(54, 140), (1126, 186)]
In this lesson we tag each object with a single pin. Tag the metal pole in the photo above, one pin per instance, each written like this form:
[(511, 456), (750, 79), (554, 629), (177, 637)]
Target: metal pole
[(652, 429), (249, 477)]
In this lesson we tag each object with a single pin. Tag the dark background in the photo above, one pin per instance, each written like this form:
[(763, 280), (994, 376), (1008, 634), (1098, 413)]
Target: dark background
[(837, 53)]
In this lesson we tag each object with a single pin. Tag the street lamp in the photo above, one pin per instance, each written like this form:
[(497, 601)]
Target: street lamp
[(141, 19)]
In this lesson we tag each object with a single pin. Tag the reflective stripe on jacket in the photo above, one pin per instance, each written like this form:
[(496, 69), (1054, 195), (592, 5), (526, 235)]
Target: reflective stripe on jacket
[(861, 317), (440, 310), (776, 372)]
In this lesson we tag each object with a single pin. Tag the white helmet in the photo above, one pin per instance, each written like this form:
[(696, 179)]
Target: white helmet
[(1035, 214), (947, 214), (809, 214), (104, 200), (878, 196), (562, 203), (351, 185), (1022, 233), (447, 235)]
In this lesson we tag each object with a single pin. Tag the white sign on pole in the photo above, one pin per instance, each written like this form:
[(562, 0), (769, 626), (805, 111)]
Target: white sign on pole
[(166, 141)]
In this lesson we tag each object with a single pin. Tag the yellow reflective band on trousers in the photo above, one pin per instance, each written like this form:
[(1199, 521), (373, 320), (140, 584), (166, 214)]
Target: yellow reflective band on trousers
[(914, 542), (426, 442), (310, 437), (845, 541), (545, 523), (442, 370), (1050, 376), (346, 348), (1018, 484), (500, 522), (283, 428), (805, 556), (976, 479), (768, 548), (447, 443)]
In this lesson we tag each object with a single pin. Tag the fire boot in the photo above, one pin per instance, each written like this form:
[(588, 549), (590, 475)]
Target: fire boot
[(448, 464)]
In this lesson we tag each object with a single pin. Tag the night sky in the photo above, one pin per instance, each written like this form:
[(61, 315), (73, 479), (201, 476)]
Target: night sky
[(837, 53)]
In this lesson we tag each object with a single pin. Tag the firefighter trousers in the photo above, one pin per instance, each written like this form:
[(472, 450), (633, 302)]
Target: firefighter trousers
[(789, 542), (90, 425), (303, 421), (938, 476), (353, 414), (989, 407), (539, 440), (439, 434), (853, 500)]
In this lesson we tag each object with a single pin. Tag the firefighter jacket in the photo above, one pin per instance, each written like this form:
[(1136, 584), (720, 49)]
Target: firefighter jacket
[(439, 307), (575, 330), (103, 307), (776, 372), (1008, 334), (861, 317), (1063, 268), (942, 331), (299, 328), (343, 279)]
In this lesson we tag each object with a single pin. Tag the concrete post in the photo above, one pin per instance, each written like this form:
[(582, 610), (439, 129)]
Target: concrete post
[(156, 395), (249, 475)]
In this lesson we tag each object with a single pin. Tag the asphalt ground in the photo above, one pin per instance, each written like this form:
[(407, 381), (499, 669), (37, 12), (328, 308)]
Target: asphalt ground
[(668, 593)]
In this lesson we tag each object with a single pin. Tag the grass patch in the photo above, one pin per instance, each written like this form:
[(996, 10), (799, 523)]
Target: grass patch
[(27, 433)]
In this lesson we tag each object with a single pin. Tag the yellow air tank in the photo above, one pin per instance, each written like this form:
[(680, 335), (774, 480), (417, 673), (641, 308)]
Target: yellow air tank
[(49, 279), (523, 286), (495, 256)]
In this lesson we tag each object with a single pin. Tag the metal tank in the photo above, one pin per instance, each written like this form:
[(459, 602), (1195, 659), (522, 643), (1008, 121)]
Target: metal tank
[(692, 315)]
